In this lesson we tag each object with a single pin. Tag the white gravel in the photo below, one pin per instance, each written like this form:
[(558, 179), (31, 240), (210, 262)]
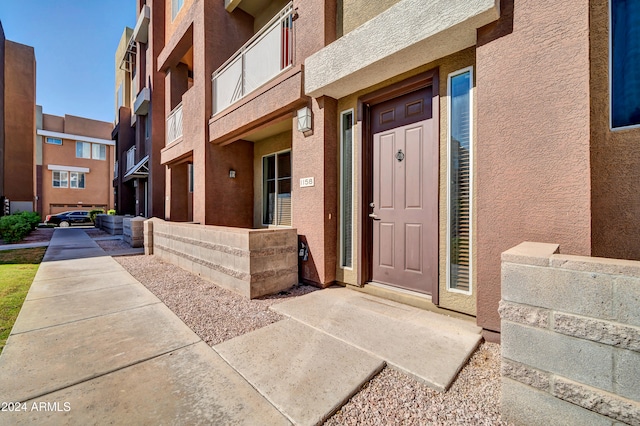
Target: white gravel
[(390, 398), (213, 313)]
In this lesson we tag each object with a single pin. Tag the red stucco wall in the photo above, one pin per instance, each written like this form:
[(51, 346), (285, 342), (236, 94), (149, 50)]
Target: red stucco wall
[(532, 146)]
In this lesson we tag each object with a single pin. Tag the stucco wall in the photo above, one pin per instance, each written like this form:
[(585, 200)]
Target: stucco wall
[(261, 148), (463, 59), (615, 158), (19, 122), (121, 76), (532, 153), (353, 13), (570, 338)]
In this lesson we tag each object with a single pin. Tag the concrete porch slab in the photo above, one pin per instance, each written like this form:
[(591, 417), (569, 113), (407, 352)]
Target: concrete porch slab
[(83, 350), (43, 287), (438, 345), (192, 385), (304, 373), (66, 308)]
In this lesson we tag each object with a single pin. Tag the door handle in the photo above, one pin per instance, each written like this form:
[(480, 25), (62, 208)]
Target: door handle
[(374, 216)]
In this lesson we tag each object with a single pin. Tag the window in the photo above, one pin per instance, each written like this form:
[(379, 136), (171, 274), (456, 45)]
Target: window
[(190, 172), (346, 189), (459, 182), (99, 152), (77, 180), (54, 141), (60, 179), (624, 60), (176, 5), (83, 150), (276, 187)]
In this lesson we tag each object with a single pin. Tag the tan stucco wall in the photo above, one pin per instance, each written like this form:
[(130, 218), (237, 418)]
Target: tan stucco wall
[(267, 13), (615, 158), (463, 59), (171, 24), (357, 12), (276, 143), (121, 76), (532, 153)]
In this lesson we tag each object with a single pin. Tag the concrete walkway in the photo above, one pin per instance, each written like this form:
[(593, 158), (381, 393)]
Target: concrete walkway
[(93, 345)]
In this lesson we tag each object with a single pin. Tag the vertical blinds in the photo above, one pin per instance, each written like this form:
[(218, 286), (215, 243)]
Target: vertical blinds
[(460, 182), (347, 189)]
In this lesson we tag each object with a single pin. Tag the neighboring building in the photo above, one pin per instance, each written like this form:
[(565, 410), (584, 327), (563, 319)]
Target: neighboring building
[(17, 125), (139, 181), (75, 164), (409, 142)]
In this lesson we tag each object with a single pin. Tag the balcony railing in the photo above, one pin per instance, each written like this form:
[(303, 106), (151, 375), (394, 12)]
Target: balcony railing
[(264, 56), (131, 158), (174, 124)]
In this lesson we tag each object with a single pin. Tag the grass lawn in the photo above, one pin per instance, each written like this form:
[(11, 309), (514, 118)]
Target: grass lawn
[(17, 269)]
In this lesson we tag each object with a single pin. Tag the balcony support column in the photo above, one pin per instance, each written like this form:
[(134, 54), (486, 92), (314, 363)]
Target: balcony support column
[(315, 208)]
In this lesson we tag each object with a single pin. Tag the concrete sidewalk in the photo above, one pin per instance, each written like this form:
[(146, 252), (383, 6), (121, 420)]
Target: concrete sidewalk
[(93, 345)]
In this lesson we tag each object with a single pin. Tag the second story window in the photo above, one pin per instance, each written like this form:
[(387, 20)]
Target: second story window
[(83, 150), (625, 63), (176, 5), (54, 141), (99, 152)]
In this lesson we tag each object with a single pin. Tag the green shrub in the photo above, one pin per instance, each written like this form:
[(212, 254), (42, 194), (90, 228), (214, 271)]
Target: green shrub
[(111, 212), (14, 227), (94, 213), (32, 218)]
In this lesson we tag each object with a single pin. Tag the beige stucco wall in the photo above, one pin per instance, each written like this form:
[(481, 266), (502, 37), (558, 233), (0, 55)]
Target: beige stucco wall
[(455, 301), (356, 12), (261, 148), (615, 157), (121, 75)]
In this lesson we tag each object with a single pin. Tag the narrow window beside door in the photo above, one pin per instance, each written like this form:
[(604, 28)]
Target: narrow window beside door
[(346, 189), (459, 182), (276, 187)]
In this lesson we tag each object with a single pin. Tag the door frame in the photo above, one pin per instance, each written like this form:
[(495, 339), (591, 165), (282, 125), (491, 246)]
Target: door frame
[(365, 102)]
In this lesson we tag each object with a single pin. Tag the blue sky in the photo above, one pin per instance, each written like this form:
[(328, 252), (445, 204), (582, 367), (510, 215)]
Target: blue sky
[(75, 43)]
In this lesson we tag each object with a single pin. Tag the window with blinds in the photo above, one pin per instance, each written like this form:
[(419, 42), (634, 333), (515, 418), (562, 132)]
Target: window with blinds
[(276, 187), (625, 63), (459, 183), (346, 189)]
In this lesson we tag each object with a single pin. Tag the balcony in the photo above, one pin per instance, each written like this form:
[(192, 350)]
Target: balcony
[(263, 57), (174, 124), (131, 158), (141, 31), (141, 104)]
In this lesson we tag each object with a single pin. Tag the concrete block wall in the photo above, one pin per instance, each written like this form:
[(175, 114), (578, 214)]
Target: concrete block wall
[(251, 262), (132, 231), (110, 223), (570, 338)]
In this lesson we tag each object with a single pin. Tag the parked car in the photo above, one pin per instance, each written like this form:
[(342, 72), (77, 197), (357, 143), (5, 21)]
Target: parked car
[(66, 219)]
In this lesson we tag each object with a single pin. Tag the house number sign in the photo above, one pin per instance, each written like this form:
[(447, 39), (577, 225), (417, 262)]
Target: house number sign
[(306, 182)]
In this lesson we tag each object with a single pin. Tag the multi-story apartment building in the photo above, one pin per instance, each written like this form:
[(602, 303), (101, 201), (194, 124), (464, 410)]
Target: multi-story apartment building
[(409, 142), (139, 178), (17, 125), (75, 158)]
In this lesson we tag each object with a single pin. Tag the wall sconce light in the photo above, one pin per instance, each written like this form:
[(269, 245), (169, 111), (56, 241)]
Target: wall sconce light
[(304, 119), (232, 174)]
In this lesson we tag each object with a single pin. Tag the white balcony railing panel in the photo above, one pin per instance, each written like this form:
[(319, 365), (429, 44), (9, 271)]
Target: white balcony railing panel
[(262, 60), (131, 158), (174, 124), (264, 56)]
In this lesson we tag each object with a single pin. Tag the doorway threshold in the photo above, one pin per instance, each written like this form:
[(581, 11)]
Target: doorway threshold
[(408, 297)]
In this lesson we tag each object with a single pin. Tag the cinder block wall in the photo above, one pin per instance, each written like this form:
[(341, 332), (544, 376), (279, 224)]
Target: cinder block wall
[(251, 262), (570, 338)]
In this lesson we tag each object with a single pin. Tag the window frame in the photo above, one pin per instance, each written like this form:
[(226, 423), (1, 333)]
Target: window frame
[(53, 178), (342, 183), (49, 138), (610, 30), (100, 146), (454, 74), (262, 208), (84, 178), (176, 6), (90, 150)]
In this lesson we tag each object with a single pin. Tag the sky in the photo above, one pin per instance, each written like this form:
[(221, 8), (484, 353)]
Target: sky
[(75, 43)]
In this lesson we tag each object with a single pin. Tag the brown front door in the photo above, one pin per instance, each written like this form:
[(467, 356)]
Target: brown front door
[(404, 210)]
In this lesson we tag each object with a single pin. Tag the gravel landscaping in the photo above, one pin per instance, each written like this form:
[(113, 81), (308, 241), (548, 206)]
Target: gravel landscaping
[(390, 398)]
